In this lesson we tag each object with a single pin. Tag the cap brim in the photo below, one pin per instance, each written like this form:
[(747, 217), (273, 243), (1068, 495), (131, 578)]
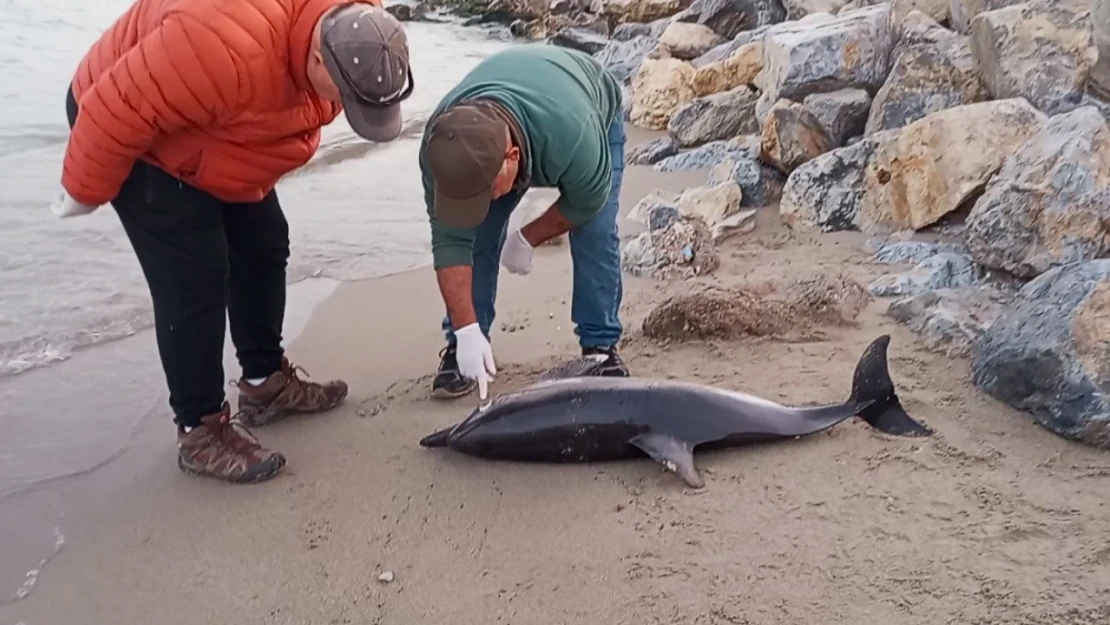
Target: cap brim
[(464, 213), (373, 123)]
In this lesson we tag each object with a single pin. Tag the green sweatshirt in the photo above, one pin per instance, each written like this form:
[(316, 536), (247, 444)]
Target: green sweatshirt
[(564, 102)]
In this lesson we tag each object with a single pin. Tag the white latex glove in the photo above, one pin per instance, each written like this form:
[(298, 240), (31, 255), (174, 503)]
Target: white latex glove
[(516, 254), (65, 206), (475, 357)]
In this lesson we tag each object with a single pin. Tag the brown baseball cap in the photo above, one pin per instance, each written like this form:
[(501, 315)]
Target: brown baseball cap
[(366, 52), (465, 151)]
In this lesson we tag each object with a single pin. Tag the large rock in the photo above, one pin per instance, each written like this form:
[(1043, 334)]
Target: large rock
[(945, 270), (710, 155), (583, 39), (963, 11), (1049, 354), (660, 87), (642, 10), (651, 152), (842, 113), (689, 41), (718, 116), (623, 58), (1050, 203), (797, 9), (910, 177), (1100, 73), (926, 78), (760, 184), (852, 50), (1041, 50), (739, 69), (729, 18), (938, 10), (949, 321), (729, 48), (792, 135)]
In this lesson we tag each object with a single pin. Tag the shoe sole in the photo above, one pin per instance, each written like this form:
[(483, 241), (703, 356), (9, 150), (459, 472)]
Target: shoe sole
[(280, 416), (443, 393), (254, 479)]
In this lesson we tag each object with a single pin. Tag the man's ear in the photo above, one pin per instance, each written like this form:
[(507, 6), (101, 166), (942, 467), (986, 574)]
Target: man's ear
[(514, 153)]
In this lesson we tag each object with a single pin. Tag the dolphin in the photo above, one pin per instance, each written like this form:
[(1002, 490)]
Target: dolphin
[(573, 416)]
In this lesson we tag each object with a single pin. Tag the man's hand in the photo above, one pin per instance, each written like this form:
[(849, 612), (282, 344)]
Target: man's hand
[(516, 254), (475, 357), (65, 206)]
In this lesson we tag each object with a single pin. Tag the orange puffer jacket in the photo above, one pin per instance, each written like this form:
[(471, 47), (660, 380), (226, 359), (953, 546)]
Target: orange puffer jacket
[(214, 92)]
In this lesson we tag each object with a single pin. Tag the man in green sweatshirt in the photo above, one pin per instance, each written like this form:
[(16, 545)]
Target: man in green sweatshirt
[(533, 115)]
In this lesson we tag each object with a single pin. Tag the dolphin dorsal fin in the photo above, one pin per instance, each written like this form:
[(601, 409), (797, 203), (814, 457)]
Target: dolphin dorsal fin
[(674, 454)]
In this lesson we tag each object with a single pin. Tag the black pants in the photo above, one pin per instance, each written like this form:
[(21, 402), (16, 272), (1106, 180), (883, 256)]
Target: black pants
[(202, 259)]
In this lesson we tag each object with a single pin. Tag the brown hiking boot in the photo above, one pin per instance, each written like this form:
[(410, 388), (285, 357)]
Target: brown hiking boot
[(284, 394), (225, 450)]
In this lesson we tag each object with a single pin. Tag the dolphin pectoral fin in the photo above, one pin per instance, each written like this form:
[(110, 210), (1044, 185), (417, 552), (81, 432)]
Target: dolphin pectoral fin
[(674, 454)]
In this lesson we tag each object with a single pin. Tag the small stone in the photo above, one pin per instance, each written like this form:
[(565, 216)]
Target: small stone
[(714, 117), (386, 577)]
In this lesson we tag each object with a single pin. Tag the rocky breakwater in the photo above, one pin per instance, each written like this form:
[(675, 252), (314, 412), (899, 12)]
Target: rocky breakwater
[(894, 118)]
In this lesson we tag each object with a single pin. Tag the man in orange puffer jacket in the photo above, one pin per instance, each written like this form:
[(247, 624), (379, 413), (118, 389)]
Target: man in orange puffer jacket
[(184, 115)]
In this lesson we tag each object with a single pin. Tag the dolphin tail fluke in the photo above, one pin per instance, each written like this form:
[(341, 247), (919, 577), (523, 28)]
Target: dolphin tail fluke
[(872, 382), (437, 439)]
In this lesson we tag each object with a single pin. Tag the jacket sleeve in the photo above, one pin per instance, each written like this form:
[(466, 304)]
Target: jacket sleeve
[(180, 75)]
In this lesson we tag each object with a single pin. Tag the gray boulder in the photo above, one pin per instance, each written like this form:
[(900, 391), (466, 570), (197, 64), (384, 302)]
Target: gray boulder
[(852, 50), (944, 270), (729, 18), (583, 39), (1049, 205), (623, 58), (1040, 50), (1049, 355), (949, 321), (927, 77), (841, 113), (963, 11), (651, 152), (792, 135), (728, 48), (759, 184), (909, 252), (631, 30), (706, 156), (718, 116)]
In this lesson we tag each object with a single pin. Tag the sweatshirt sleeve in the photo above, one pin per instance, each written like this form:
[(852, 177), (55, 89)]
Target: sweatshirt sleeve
[(179, 75)]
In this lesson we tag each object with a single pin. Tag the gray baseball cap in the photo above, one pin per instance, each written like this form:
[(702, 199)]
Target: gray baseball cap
[(366, 52)]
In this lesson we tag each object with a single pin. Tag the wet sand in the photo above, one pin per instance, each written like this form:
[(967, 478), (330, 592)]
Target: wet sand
[(993, 520)]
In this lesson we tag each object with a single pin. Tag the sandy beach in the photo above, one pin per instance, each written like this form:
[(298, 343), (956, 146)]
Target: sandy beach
[(992, 520)]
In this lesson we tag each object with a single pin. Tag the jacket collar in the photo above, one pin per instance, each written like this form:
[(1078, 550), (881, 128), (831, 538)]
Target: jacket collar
[(305, 15)]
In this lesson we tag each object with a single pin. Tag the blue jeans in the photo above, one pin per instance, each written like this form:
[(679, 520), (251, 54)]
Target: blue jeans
[(594, 250)]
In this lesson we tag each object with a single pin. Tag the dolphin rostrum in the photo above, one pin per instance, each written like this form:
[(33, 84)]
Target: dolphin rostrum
[(575, 417)]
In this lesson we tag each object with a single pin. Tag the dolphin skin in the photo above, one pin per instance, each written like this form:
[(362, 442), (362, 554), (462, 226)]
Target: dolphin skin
[(573, 416)]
